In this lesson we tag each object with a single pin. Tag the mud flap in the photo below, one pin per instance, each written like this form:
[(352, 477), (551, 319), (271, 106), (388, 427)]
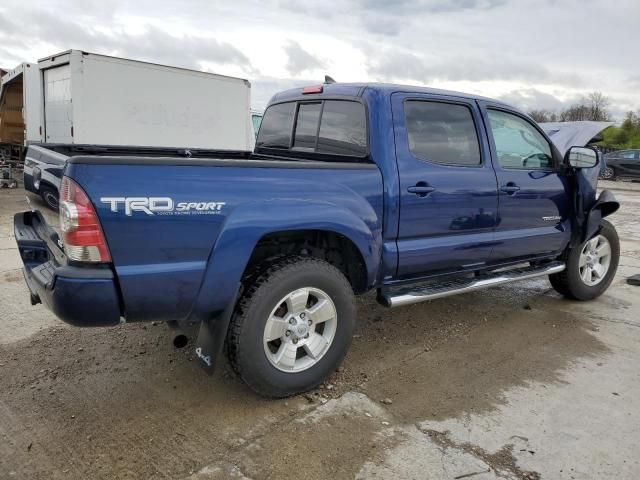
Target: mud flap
[(211, 336)]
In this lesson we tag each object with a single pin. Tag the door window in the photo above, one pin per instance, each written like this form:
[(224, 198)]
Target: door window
[(630, 155), (518, 143), (442, 133), (343, 128)]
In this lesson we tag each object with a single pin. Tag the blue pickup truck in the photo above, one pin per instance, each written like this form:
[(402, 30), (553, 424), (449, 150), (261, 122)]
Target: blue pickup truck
[(417, 193)]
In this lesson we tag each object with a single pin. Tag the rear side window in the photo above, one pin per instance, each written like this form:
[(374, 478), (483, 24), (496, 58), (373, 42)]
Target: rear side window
[(334, 127), (275, 130), (442, 133), (343, 129)]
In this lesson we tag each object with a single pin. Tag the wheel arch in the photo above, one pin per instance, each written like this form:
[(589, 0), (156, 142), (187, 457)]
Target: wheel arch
[(605, 205), (240, 239), (48, 184), (327, 244), (235, 248)]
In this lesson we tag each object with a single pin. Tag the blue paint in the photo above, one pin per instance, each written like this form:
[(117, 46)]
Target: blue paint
[(177, 267)]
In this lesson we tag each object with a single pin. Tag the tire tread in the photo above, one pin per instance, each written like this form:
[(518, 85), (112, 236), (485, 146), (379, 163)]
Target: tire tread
[(253, 290)]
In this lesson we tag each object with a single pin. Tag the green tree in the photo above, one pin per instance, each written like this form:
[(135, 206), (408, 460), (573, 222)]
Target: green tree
[(627, 135)]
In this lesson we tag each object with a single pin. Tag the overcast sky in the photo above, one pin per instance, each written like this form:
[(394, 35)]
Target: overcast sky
[(533, 53)]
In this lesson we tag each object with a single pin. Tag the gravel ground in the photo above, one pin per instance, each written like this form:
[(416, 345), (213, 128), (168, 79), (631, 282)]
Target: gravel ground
[(512, 382)]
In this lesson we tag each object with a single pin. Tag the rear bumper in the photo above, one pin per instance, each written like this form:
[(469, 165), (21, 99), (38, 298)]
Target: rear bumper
[(79, 296)]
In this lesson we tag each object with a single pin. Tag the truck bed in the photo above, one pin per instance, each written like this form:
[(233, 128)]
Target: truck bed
[(170, 251)]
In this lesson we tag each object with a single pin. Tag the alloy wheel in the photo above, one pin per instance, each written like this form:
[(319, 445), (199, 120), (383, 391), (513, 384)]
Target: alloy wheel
[(595, 259), (300, 329)]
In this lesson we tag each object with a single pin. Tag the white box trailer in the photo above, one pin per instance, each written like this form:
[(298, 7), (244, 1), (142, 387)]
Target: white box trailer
[(20, 110), (98, 99)]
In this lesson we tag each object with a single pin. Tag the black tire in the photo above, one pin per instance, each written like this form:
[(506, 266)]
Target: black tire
[(570, 284), (50, 196), (245, 347)]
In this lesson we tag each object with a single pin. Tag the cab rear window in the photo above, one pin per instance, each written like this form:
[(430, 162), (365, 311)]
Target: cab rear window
[(330, 127), (275, 130)]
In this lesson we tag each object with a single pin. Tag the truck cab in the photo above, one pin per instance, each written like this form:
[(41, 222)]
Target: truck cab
[(469, 182)]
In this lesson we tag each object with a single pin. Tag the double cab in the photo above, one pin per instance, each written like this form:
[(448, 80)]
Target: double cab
[(413, 192)]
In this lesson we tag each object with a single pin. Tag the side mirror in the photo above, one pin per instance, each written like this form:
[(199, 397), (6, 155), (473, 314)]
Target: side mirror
[(581, 157)]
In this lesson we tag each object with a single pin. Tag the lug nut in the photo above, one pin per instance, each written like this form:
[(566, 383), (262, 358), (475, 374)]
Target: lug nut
[(302, 315), (295, 340), (309, 322), (292, 321), (288, 333)]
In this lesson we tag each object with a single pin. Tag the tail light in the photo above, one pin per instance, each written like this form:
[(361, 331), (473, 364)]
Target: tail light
[(81, 232)]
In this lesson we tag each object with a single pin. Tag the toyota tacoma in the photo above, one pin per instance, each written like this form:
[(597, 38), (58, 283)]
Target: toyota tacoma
[(414, 192)]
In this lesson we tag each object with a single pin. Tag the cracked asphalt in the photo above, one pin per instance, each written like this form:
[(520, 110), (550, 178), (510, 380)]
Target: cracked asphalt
[(511, 383)]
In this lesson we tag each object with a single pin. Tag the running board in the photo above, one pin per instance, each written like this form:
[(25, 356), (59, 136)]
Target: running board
[(420, 292)]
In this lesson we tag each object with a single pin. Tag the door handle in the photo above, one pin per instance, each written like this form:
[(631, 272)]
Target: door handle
[(421, 189), (510, 188)]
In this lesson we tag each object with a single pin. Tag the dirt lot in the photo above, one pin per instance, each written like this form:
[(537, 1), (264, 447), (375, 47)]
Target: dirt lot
[(512, 382)]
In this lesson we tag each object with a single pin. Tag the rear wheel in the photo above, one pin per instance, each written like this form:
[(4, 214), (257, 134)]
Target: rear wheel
[(50, 197), (293, 326), (590, 266)]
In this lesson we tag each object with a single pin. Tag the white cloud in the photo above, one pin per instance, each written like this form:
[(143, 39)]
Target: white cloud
[(502, 48), (301, 61)]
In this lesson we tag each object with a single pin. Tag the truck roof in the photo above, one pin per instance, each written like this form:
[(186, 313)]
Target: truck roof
[(357, 90)]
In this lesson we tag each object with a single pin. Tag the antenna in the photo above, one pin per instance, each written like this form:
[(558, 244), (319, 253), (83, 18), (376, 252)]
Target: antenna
[(328, 79)]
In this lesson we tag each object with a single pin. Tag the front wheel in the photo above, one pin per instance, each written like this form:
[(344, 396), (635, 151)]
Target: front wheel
[(590, 266), (292, 327)]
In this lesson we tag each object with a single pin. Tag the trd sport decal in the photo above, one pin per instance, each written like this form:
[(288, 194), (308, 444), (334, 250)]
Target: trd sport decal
[(161, 206)]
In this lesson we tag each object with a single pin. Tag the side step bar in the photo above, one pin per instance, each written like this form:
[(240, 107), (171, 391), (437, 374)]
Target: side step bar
[(420, 292)]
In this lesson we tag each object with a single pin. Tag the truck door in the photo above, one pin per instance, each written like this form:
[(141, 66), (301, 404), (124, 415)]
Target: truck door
[(534, 205), (58, 109), (448, 192)]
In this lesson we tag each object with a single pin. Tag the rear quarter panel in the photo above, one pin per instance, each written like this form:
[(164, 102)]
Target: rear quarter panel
[(174, 267)]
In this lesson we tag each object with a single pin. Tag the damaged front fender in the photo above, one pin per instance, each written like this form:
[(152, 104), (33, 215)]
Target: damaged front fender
[(605, 205), (589, 210)]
